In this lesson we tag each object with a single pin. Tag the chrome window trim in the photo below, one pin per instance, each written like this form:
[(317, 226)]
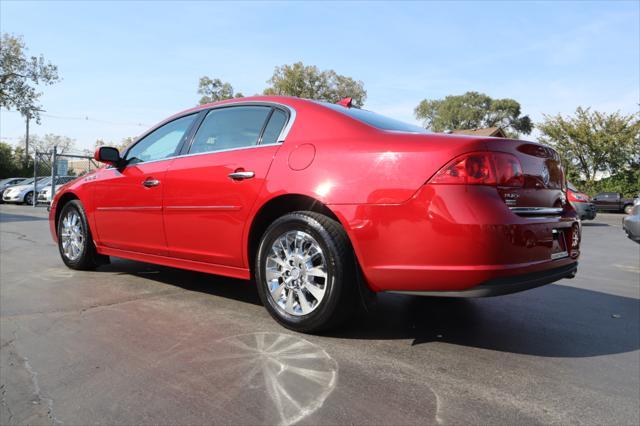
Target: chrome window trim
[(287, 127), (281, 138)]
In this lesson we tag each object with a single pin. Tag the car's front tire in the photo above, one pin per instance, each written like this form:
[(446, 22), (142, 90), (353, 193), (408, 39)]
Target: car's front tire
[(75, 242), (28, 199), (305, 272)]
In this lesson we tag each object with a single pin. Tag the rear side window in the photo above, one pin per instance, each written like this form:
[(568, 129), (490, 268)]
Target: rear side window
[(162, 142), (274, 127), (376, 120), (608, 195), (230, 128)]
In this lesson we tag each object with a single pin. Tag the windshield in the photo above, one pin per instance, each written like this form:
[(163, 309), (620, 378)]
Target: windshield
[(26, 181), (375, 120), (571, 187)]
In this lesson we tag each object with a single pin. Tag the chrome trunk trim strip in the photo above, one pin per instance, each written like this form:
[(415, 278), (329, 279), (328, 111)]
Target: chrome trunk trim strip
[(536, 210)]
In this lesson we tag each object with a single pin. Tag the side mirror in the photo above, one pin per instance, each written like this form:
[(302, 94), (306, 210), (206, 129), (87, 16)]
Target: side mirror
[(108, 155)]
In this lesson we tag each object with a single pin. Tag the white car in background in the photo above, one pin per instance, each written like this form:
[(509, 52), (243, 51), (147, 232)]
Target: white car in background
[(23, 193), (44, 196), (6, 183)]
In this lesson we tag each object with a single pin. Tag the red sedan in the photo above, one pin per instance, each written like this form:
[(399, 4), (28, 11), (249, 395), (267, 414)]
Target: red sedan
[(320, 203)]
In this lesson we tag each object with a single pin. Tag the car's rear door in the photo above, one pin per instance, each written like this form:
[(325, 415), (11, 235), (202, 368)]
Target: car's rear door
[(210, 191), (128, 200)]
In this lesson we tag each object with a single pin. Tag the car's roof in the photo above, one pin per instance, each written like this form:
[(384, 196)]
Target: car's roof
[(290, 101)]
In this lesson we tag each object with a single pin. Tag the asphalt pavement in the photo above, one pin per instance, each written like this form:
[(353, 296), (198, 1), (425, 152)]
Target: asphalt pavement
[(133, 343)]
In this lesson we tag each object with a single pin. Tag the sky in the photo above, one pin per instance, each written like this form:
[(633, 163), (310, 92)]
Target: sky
[(128, 65)]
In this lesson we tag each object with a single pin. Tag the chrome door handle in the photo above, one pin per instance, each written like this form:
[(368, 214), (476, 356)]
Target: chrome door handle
[(241, 175), (151, 182)]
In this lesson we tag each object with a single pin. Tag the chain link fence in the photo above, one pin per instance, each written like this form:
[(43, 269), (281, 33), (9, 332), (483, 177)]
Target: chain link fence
[(52, 170), (41, 173)]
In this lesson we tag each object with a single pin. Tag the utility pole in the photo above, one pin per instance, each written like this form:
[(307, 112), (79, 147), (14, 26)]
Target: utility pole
[(26, 138), (27, 115)]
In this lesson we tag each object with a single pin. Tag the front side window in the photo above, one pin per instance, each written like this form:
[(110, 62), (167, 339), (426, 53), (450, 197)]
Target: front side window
[(230, 128), (162, 142)]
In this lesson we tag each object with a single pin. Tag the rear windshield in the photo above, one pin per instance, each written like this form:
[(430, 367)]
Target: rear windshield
[(376, 120)]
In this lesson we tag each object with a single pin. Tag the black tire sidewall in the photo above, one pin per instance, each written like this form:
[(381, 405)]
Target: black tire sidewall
[(26, 198), (84, 260), (323, 314)]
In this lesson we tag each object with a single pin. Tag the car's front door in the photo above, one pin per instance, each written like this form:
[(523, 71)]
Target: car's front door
[(128, 200), (210, 192)]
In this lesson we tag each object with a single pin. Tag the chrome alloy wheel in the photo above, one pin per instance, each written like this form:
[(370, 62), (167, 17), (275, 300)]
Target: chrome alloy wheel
[(72, 236), (296, 273)]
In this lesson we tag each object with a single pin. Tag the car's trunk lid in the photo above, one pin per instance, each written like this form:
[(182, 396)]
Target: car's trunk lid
[(543, 191)]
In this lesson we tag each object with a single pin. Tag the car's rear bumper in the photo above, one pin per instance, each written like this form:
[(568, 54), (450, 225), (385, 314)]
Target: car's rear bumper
[(506, 285), (586, 211), (455, 238)]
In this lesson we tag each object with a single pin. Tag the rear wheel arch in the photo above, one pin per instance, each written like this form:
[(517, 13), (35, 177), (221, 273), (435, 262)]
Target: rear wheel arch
[(277, 207)]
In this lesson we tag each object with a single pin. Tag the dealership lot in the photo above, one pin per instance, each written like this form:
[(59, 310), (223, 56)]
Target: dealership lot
[(135, 343)]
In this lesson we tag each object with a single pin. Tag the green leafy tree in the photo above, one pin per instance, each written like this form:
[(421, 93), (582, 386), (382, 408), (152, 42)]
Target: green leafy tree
[(125, 142), (473, 110), (626, 182), (48, 141), (13, 162), (7, 166), (311, 83), (20, 77), (593, 143), (214, 90)]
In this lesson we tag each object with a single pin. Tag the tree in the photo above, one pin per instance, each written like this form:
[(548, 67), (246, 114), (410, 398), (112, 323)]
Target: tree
[(125, 142), (593, 142), (20, 75), (473, 110), (214, 90), (48, 141), (13, 162), (311, 83), (7, 166)]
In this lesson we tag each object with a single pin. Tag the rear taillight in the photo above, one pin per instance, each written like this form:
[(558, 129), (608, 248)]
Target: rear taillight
[(482, 168), (575, 197)]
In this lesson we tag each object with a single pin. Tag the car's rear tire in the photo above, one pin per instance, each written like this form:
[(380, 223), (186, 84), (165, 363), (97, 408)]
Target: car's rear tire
[(305, 272), (75, 242), (28, 199)]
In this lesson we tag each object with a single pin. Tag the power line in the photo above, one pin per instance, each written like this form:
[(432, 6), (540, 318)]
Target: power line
[(87, 118)]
